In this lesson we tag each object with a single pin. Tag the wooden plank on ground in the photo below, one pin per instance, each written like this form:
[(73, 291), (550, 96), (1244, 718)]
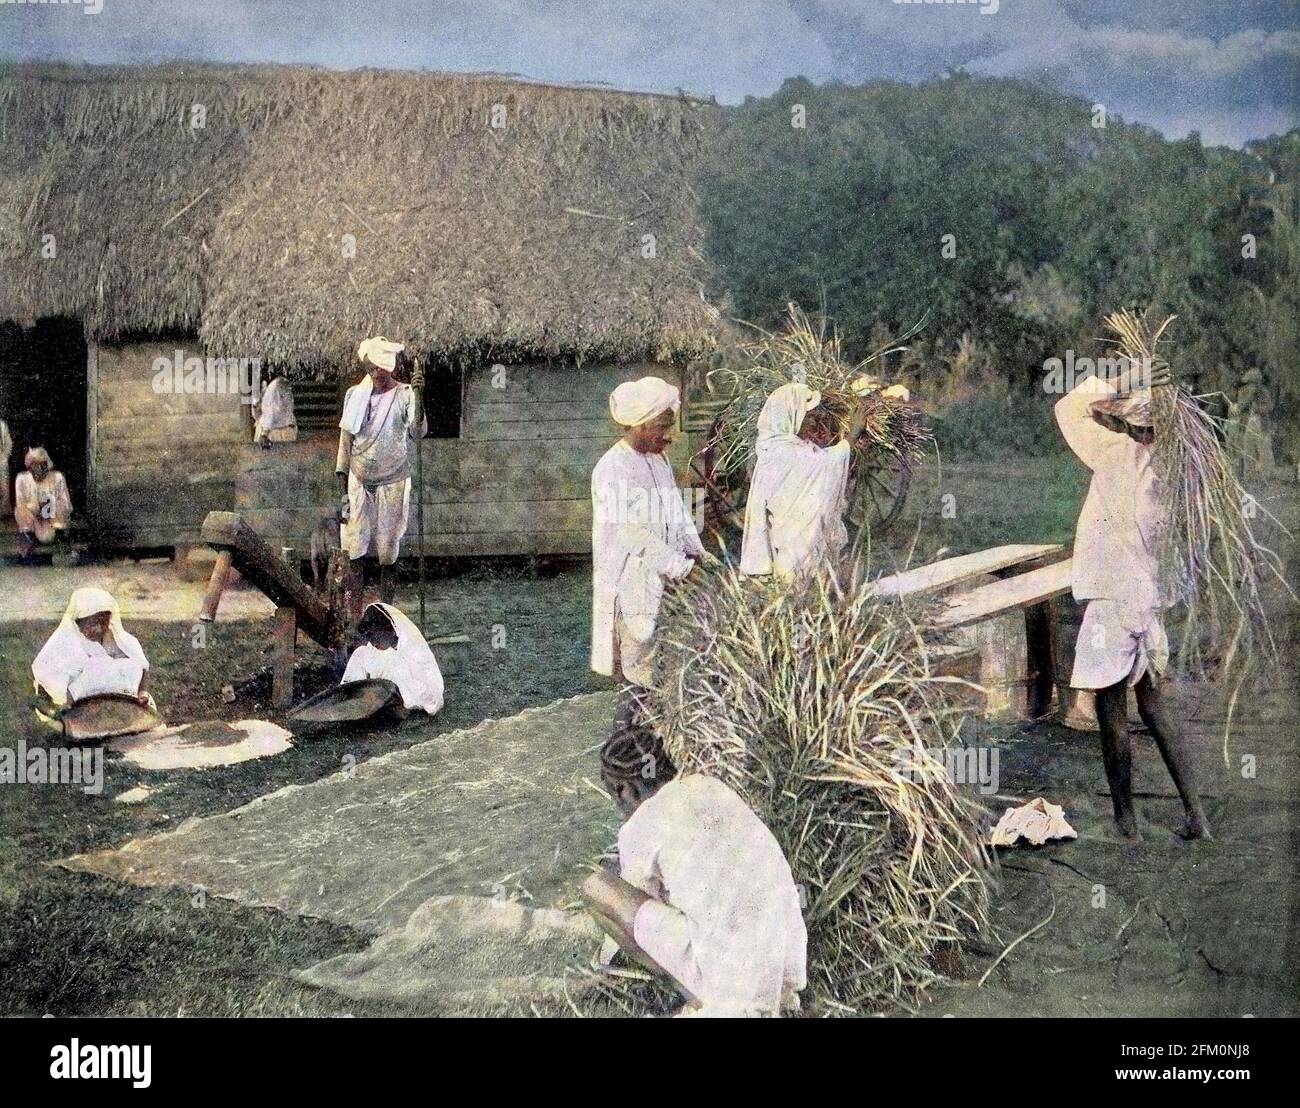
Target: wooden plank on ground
[(966, 567), (1035, 587)]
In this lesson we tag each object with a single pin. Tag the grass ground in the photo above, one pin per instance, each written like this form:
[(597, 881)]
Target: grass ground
[(74, 944)]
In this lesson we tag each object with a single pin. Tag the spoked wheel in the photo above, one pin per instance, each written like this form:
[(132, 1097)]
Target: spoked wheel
[(725, 493), (878, 492)]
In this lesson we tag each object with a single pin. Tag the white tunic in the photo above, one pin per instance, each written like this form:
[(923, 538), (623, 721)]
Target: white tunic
[(42, 507), (725, 920), (794, 517), (1114, 566), (641, 535), (378, 463), (276, 421)]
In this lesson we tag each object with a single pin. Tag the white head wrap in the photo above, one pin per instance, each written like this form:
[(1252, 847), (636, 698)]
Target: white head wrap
[(636, 402), (380, 352), (37, 454), (783, 413), (410, 665), (67, 651)]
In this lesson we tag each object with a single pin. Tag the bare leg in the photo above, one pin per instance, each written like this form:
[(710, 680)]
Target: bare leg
[(1117, 755), (613, 903), (1173, 750), (387, 583)]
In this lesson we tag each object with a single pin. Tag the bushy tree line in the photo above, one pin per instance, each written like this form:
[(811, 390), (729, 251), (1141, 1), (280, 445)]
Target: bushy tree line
[(843, 197)]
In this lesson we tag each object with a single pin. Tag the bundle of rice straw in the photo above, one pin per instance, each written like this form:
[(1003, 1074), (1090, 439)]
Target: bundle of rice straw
[(1211, 563), (813, 355), (820, 705)]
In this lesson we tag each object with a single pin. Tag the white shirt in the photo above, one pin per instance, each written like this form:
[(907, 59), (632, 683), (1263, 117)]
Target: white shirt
[(696, 845), (794, 517), (1115, 541), (641, 534)]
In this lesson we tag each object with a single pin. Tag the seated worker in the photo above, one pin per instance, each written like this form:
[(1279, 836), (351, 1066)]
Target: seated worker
[(42, 507), (275, 419), (91, 653), (794, 517), (705, 895), (394, 650)]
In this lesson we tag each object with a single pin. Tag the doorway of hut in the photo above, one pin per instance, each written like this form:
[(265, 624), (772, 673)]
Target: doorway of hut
[(43, 401)]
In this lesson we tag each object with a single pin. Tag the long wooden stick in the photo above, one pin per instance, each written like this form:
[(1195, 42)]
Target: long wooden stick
[(417, 379)]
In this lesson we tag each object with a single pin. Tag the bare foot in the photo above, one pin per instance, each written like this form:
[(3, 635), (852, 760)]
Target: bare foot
[(1128, 827), (1195, 827)]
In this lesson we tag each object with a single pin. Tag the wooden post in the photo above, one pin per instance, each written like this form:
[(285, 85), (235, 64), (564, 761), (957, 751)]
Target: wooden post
[(284, 636), (216, 586)]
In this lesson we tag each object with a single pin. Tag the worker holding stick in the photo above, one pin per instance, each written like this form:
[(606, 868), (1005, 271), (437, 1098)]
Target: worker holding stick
[(377, 437)]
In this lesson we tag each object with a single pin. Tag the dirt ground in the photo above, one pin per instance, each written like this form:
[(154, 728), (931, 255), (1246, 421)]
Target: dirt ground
[(1165, 928)]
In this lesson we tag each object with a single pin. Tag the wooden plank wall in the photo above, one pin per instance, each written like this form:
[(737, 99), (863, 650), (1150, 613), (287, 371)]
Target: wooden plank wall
[(161, 461), (517, 481)]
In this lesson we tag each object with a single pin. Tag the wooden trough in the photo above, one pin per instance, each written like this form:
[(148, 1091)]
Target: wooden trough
[(1002, 614)]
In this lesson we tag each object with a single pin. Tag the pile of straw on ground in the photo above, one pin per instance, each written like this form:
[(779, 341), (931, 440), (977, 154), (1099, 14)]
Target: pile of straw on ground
[(821, 706), (812, 353), (1212, 564)]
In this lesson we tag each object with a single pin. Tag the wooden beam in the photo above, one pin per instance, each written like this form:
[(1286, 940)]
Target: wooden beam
[(966, 567), (261, 566), (284, 639), (978, 604)]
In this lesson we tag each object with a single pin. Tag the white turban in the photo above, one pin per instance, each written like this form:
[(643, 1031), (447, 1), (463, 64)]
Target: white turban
[(36, 454), (380, 352), (636, 402)]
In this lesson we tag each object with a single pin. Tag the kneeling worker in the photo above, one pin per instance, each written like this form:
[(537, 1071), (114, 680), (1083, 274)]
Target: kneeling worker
[(393, 649), (705, 894)]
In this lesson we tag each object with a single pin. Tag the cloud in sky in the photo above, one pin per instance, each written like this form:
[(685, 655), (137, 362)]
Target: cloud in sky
[(1227, 70)]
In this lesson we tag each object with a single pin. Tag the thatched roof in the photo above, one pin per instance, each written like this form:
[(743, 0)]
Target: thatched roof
[(522, 241)]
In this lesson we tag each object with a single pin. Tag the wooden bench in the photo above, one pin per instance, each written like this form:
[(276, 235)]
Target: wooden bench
[(1001, 615)]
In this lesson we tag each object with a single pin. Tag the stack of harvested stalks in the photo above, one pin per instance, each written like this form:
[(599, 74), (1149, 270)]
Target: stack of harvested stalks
[(812, 354), (1210, 562), (821, 706)]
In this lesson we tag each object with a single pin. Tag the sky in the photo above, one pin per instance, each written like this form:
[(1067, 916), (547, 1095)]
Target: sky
[(1229, 69)]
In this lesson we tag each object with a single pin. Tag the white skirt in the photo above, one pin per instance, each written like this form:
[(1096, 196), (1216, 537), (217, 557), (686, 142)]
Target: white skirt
[(1118, 641)]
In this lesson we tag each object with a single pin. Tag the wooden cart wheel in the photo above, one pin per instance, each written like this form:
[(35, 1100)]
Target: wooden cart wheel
[(878, 493), (725, 493)]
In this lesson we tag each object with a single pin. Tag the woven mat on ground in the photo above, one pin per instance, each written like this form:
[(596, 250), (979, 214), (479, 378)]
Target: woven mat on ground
[(466, 954), (500, 808)]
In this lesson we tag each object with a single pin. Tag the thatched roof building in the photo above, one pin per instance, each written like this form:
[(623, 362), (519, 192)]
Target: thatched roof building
[(488, 217), (278, 216)]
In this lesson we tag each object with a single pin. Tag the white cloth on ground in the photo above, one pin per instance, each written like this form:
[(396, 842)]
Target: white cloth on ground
[(794, 517), (636, 402), (276, 421), (410, 665), (1114, 567), (727, 924), (71, 666), (641, 535)]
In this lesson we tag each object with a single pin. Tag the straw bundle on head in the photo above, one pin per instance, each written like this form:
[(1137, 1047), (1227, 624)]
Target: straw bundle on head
[(813, 355), (1211, 563), (820, 707)]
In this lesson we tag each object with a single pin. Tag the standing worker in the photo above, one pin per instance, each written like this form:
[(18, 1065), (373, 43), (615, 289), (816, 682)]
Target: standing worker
[(377, 438)]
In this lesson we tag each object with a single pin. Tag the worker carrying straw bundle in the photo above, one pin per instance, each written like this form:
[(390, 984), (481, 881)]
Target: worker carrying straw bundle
[(1165, 525)]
